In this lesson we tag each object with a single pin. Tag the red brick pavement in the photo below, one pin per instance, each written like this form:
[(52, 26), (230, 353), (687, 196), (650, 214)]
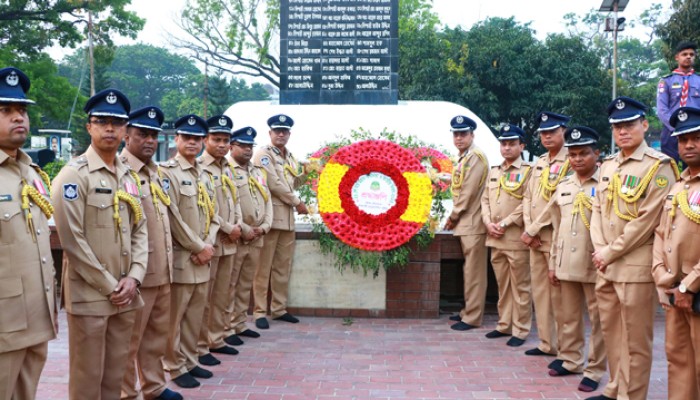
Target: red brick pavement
[(320, 358)]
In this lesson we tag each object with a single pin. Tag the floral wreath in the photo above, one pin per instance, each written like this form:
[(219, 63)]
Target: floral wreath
[(439, 167), (406, 211)]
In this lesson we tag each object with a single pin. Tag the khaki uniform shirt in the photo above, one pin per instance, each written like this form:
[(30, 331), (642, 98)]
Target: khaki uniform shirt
[(99, 249), (281, 183), (571, 244), (160, 244), (627, 246), (535, 201), (27, 276), (500, 207), (188, 219), (468, 182), (229, 209), (257, 212), (677, 241)]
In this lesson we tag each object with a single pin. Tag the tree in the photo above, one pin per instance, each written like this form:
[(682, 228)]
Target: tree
[(29, 26), (682, 25)]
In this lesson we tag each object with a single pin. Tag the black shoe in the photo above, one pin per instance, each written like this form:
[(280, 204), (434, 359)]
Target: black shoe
[(250, 333), (515, 342), (560, 371), (600, 397), (496, 334), (455, 318), (233, 340), (186, 381), (261, 323), (537, 352), (225, 350), (170, 395), (587, 385), (287, 317), (199, 372), (555, 364), (208, 359), (462, 326)]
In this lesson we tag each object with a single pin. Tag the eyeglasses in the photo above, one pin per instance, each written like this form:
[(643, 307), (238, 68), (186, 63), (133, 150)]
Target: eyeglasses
[(281, 131), (244, 145), (115, 122)]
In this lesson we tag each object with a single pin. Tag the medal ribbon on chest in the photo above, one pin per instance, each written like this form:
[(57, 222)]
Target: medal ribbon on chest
[(512, 182), (629, 192), (689, 203), (549, 182)]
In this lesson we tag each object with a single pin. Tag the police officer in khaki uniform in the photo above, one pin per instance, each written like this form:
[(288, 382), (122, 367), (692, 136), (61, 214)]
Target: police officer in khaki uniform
[(27, 290), (194, 224), (468, 180), (150, 338), (218, 171), (571, 268), (502, 213), (549, 170), (676, 267), (629, 198), (103, 232), (256, 207), (284, 175)]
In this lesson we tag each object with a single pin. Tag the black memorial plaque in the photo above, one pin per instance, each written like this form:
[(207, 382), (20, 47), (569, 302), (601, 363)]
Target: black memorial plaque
[(339, 52)]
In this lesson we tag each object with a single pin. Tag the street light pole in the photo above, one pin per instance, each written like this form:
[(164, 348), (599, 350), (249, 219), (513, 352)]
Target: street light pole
[(615, 6)]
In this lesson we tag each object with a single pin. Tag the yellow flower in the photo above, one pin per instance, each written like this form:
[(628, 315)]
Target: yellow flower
[(328, 188), (420, 198)]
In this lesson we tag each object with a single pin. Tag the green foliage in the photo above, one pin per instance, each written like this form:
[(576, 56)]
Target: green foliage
[(53, 168), (682, 25)]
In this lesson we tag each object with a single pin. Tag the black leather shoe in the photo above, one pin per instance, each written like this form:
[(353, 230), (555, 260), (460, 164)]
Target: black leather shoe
[(455, 318), (233, 340), (287, 317), (587, 385), (208, 359), (537, 352), (249, 333), (496, 334), (186, 381), (170, 395), (225, 350), (261, 323), (556, 363), (199, 372), (515, 342), (600, 397), (462, 326), (560, 371)]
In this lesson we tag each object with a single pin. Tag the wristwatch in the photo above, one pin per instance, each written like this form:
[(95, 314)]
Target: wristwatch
[(502, 224), (682, 288)]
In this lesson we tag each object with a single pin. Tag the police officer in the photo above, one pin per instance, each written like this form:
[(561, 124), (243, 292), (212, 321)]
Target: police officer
[(676, 267), (679, 89), (150, 337), (103, 232), (256, 207), (27, 292), (194, 224), (284, 175), (633, 185), (468, 180), (502, 213), (218, 171), (571, 268)]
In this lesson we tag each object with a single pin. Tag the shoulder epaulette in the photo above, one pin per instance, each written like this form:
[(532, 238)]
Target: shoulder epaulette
[(78, 162), (657, 154), (495, 166), (168, 164), (610, 157)]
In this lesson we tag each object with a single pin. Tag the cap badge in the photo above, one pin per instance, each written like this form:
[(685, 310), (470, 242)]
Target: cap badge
[(682, 116), (111, 98), (620, 105), (222, 121), (152, 113), (283, 118), (545, 117), (460, 119), (249, 132), (576, 134), (191, 121), (506, 128), (12, 79)]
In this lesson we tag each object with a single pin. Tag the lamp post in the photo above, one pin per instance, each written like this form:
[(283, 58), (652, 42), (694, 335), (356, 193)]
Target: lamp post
[(614, 25)]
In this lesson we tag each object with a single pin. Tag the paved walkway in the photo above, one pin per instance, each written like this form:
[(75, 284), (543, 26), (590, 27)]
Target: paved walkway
[(322, 358)]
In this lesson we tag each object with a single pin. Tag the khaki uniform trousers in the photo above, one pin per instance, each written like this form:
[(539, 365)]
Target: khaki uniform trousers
[(543, 297), (148, 345), (627, 321), (187, 302), (683, 354), (575, 297), (98, 354), (20, 371), (212, 333), (246, 262), (512, 271), (273, 271), (475, 278)]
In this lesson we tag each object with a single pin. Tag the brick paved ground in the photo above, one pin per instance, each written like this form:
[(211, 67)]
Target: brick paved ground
[(320, 358)]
